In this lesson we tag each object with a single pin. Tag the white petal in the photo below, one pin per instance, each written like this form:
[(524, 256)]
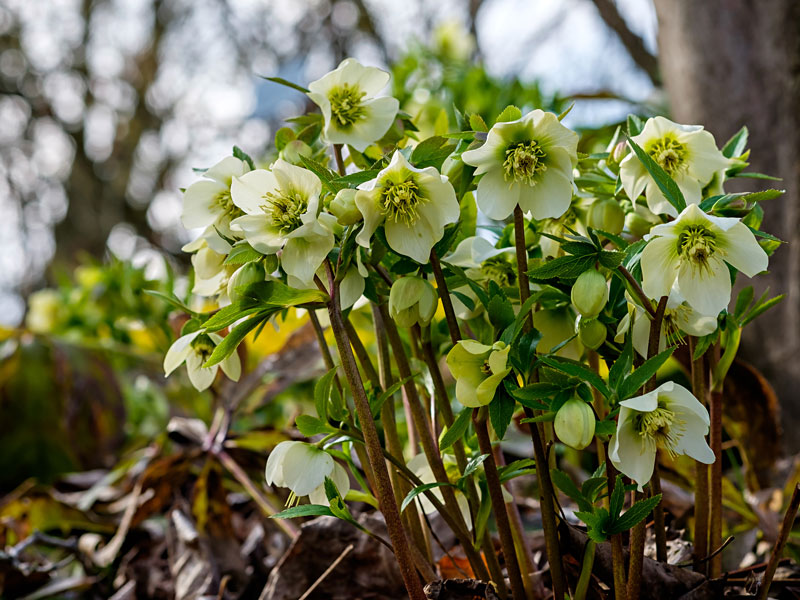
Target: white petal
[(497, 197), (489, 156), (693, 443), (302, 256), (549, 132), (249, 190), (379, 114), (367, 203), (305, 468), (226, 169), (259, 234), (703, 155), (177, 353), (707, 290), (232, 366), (549, 198), (645, 403), (633, 175), (660, 264), (414, 241), (630, 454), (201, 377), (296, 179), (742, 252), (200, 207), (274, 470), (351, 288)]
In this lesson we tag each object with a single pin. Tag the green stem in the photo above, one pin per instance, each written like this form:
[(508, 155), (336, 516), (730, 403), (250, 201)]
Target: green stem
[(546, 490), (444, 296), (701, 489), (586, 571), (617, 553), (383, 486)]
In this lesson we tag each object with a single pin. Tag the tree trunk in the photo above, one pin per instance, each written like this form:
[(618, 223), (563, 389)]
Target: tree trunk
[(729, 63)]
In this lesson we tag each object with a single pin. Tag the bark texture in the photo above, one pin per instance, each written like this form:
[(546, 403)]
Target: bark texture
[(729, 63)]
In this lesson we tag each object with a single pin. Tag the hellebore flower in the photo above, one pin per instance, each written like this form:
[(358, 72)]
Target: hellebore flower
[(478, 370), (207, 203), (687, 153), (352, 114), (690, 254), (413, 204), (412, 300), (194, 350), (669, 417), (302, 468), (527, 162), (281, 209)]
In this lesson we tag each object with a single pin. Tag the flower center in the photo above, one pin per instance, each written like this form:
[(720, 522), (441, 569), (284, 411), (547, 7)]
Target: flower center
[(660, 426), (223, 200), (672, 331), (697, 244), (669, 154), (285, 210), (523, 162), (346, 107), (401, 201), (499, 270), (486, 369), (203, 346)]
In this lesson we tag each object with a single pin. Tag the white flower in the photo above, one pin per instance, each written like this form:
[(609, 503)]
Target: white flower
[(679, 319), (207, 203), (194, 349), (413, 204), (281, 209), (412, 300), (478, 370), (303, 468), (422, 469), (352, 114), (527, 162), (211, 273), (690, 254), (687, 153), (669, 417)]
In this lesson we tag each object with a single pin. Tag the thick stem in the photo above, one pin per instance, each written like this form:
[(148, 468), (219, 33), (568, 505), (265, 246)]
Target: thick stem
[(701, 489), (498, 503), (444, 295), (638, 531), (546, 490), (637, 289), (383, 487), (617, 553), (428, 443), (780, 543), (658, 517), (337, 153)]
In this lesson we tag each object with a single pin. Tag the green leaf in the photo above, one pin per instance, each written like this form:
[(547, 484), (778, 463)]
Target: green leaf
[(564, 113), (357, 178), (228, 315), (421, 489), (501, 313), (322, 393), (703, 344), (310, 426), (591, 487), (743, 300), (326, 176), (501, 411), (611, 260), (191, 326), (640, 376), (518, 468), (635, 125), (456, 431), (737, 144), (605, 427), (231, 341), (171, 299), (761, 307), (531, 393), (473, 465), (305, 510), (759, 176), (283, 136), (597, 522), (392, 389), (477, 123), (617, 498), (242, 155), (242, 253), (634, 514), (287, 83), (664, 182), (563, 267), (622, 366), (566, 485), (431, 152), (576, 369), (510, 113), (276, 294)]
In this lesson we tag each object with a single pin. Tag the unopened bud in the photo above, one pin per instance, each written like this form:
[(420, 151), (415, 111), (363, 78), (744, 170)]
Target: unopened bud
[(412, 300), (252, 272), (574, 423), (590, 293), (293, 150), (606, 215), (344, 208), (637, 225), (591, 332), (619, 152)]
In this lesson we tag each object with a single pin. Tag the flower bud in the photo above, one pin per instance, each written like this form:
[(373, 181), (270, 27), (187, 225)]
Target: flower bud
[(412, 300), (344, 208), (292, 152), (574, 423), (637, 225), (619, 152), (452, 167), (591, 332), (252, 272), (606, 215), (590, 293)]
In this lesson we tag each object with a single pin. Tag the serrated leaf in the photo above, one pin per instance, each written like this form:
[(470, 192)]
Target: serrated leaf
[(703, 344), (477, 123), (501, 314), (242, 253), (432, 152), (736, 145), (357, 178), (305, 510), (473, 465), (310, 426), (611, 260), (523, 466), (277, 294), (286, 83), (664, 182), (231, 341), (578, 370), (510, 113), (563, 267), (605, 427), (566, 485), (635, 125), (743, 300), (533, 392), (326, 176), (760, 308), (634, 514), (456, 431), (640, 376), (617, 498)]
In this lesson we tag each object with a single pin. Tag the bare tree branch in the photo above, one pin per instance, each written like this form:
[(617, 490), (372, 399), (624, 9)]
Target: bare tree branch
[(632, 42)]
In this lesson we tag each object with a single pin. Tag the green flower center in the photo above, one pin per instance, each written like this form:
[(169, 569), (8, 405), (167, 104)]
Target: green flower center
[(669, 154), (224, 201), (203, 346), (660, 426), (524, 161), (697, 244), (499, 270), (285, 210), (486, 369), (401, 200), (346, 106)]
